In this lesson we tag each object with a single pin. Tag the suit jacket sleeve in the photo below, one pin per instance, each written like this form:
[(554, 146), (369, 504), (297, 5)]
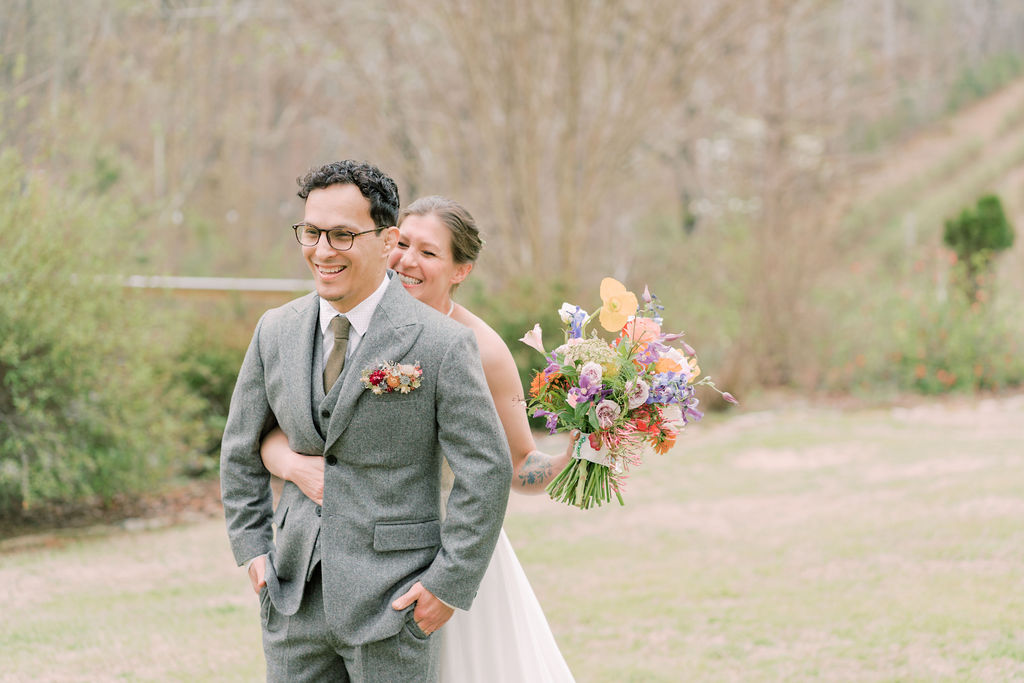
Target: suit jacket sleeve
[(245, 482), (473, 441)]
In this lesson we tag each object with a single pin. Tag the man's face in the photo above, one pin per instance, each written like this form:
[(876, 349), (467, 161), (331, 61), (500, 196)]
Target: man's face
[(345, 278)]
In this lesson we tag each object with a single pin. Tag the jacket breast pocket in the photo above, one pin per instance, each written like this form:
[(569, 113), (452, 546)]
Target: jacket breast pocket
[(385, 426), (390, 536)]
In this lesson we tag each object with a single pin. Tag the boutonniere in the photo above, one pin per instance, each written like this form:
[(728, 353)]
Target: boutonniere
[(391, 376)]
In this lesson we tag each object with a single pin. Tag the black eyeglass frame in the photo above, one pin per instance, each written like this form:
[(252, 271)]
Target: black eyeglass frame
[(345, 235)]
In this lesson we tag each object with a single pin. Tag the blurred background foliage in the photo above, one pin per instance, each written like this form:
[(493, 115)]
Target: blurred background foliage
[(779, 172)]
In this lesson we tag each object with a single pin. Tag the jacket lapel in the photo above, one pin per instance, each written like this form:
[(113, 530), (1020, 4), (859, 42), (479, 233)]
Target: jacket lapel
[(393, 329), (300, 395)]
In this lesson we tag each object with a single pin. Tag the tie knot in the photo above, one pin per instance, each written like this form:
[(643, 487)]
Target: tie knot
[(339, 327)]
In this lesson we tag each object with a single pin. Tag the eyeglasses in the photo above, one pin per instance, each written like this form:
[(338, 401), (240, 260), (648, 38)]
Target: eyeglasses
[(339, 238)]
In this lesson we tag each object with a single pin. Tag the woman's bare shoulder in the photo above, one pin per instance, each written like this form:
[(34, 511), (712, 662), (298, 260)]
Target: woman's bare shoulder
[(494, 352)]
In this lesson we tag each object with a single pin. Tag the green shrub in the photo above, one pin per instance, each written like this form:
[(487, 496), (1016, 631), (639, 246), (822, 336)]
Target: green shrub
[(957, 346), (901, 333), (85, 411), (206, 367), (977, 236)]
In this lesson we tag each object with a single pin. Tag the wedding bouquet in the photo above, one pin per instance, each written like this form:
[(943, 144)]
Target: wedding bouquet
[(626, 397)]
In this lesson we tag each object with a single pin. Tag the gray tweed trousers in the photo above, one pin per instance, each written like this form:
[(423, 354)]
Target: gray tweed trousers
[(301, 647)]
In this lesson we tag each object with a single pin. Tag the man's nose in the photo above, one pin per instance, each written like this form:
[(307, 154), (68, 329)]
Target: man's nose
[(324, 248)]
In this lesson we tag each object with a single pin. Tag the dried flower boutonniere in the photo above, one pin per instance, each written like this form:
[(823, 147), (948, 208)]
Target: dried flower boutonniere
[(392, 377)]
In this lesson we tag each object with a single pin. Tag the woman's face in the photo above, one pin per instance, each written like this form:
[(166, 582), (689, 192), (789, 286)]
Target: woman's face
[(423, 260)]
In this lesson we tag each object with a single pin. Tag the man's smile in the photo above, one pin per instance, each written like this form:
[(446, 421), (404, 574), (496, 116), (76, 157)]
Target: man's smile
[(329, 271)]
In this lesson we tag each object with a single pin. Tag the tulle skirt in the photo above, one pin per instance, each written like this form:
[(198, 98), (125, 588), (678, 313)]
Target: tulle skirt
[(504, 637)]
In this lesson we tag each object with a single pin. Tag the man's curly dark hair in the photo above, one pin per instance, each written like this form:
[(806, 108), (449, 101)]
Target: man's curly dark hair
[(378, 188)]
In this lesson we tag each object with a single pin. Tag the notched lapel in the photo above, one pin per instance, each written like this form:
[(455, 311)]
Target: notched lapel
[(298, 373)]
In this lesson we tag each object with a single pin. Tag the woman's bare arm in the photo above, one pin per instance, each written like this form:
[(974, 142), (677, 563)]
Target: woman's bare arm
[(305, 471), (532, 469)]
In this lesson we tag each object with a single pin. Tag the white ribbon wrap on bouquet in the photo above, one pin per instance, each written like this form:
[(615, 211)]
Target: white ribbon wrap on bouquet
[(583, 451)]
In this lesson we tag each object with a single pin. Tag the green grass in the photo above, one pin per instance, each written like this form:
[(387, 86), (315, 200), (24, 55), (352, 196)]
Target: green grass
[(813, 545), (801, 545)]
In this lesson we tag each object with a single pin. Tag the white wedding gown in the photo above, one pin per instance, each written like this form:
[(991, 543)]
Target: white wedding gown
[(504, 637)]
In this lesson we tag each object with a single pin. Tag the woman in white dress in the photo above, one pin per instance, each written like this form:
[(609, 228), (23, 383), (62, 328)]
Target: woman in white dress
[(504, 637)]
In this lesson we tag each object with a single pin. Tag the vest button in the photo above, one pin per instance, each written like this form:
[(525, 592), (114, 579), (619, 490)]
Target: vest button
[(325, 413), (317, 510), (331, 460)]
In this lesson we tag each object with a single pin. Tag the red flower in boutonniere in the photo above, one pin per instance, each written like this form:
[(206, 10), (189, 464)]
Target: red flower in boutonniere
[(391, 377)]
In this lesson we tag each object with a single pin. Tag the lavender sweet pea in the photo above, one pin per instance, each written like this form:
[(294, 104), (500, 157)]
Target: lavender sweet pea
[(550, 419)]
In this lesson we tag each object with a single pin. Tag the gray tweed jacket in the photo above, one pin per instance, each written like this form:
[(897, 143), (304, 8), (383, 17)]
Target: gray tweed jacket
[(380, 527)]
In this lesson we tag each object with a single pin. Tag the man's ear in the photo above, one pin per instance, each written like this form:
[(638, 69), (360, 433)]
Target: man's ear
[(390, 239), (461, 272)]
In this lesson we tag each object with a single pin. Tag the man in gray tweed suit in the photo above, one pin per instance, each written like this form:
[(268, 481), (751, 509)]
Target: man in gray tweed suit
[(353, 589)]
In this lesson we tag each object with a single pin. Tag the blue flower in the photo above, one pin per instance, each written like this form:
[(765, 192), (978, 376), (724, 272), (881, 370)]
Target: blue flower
[(574, 316)]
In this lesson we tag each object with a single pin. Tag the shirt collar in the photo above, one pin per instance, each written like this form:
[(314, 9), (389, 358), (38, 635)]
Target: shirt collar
[(359, 316)]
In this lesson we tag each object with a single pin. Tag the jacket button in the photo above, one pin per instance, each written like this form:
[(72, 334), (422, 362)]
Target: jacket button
[(317, 510), (325, 413), (331, 460)]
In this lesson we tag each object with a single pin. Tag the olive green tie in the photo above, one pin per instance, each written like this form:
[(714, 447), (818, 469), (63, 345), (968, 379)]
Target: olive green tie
[(336, 360)]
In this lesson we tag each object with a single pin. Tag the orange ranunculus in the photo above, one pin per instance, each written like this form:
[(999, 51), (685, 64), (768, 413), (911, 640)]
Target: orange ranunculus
[(619, 304), (641, 330), (672, 361), (394, 381)]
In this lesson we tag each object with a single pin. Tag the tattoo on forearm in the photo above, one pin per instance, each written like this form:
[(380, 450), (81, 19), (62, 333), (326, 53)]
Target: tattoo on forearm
[(535, 470)]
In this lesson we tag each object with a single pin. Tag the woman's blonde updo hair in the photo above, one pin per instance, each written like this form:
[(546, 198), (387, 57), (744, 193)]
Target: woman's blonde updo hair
[(466, 241)]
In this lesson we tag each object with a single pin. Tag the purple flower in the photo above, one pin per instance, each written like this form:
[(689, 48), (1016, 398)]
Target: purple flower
[(607, 413), (652, 353), (590, 376), (670, 387), (575, 397), (551, 419), (553, 364), (574, 316)]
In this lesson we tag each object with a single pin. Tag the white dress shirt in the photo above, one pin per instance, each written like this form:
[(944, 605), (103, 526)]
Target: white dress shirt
[(358, 318)]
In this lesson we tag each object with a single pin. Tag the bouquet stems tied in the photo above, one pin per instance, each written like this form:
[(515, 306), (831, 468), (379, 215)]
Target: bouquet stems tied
[(584, 484)]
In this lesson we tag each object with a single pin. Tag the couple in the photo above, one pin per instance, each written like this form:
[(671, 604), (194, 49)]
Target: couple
[(392, 422)]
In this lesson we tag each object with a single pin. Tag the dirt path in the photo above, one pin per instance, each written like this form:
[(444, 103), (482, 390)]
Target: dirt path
[(981, 121)]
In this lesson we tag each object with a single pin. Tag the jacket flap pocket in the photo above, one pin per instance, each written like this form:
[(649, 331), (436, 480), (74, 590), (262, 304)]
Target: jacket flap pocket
[(406, 535)]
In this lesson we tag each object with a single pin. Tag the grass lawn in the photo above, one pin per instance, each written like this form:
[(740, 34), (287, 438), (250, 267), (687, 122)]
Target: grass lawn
[(803, 545)]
